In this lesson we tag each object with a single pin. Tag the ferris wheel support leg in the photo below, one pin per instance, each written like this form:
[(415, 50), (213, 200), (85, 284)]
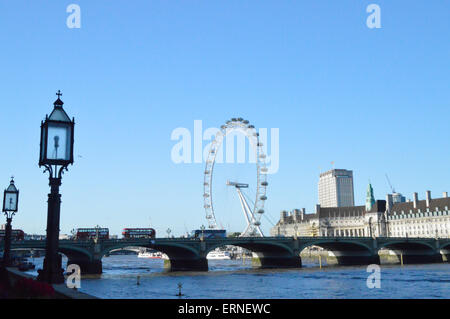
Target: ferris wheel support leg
[(243, 205), (250, 217)]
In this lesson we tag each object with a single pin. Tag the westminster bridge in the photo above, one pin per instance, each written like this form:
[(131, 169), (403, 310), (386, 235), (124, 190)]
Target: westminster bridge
[(189, 254)]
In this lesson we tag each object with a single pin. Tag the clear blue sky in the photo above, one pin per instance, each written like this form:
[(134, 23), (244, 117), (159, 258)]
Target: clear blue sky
[(375, 101)]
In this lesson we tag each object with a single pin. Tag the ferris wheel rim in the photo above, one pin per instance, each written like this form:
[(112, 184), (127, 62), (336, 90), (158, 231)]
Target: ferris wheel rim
[(261, 172)]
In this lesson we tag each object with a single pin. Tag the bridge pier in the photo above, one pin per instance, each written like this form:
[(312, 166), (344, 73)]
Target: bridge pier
[(352, 258), (87, 267), (417, 258), (186, 264), (445, 254), (277, 262)]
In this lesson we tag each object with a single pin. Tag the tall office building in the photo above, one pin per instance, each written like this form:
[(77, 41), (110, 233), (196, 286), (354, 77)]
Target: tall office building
[(336, 188), (398, 198)]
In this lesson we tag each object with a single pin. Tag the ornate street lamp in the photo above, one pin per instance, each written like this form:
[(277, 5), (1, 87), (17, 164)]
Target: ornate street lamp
[(97, 229), (10, 205), (203, 232), (56, 154)]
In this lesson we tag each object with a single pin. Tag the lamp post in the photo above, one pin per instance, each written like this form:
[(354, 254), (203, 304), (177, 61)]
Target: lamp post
[(203, 232), (10, 205), (97, 229), (168, 232), (56, 154)]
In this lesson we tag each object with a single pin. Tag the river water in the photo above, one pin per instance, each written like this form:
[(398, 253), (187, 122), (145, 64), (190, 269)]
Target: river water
[(229, 279)]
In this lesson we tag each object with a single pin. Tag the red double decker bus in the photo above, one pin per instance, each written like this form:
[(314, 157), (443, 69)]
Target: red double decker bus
[(132, 233), (16, 234), (91, 233)]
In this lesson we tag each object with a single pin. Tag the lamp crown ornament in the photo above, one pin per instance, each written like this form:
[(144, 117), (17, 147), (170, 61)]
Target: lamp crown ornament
[(58, 102)]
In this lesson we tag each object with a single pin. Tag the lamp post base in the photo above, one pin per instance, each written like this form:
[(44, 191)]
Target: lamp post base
[(7, 249), (51, 273)]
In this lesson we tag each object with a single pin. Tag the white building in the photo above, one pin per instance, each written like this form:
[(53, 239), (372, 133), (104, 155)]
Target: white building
[(419, 218), (378, 218), (336, 188), (352, 221)]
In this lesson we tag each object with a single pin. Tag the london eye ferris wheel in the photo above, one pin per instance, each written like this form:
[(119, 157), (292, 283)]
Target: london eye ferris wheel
[(253, 214)]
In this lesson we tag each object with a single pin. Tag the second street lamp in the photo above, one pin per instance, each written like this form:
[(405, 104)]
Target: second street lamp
[(10, 206), (56, 153)]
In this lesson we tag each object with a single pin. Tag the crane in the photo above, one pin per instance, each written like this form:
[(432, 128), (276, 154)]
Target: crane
[(390, 185)]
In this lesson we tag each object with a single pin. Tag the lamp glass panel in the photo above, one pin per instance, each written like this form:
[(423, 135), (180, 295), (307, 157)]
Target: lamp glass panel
[(58, 141), (43, 141), (10, 202)]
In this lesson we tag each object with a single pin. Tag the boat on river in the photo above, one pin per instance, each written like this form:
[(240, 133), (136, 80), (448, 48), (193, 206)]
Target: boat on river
[(219, 255), (150, 254)]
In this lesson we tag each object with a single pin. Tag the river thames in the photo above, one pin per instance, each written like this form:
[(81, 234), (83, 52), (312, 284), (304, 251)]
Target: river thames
[(230, 279)]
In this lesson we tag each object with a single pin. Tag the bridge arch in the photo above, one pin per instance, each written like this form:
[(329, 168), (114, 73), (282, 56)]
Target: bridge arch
[(256, 247), (182, 256), (405, 244), (75, 252), (412, 251), (333, 244), (67, 250), (168, 249), (266, 252), (344, 252)]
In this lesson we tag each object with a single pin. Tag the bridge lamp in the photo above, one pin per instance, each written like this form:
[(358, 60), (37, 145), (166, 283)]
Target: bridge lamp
[(10, 206), (57, 138), (56, 154), (203, 232)]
